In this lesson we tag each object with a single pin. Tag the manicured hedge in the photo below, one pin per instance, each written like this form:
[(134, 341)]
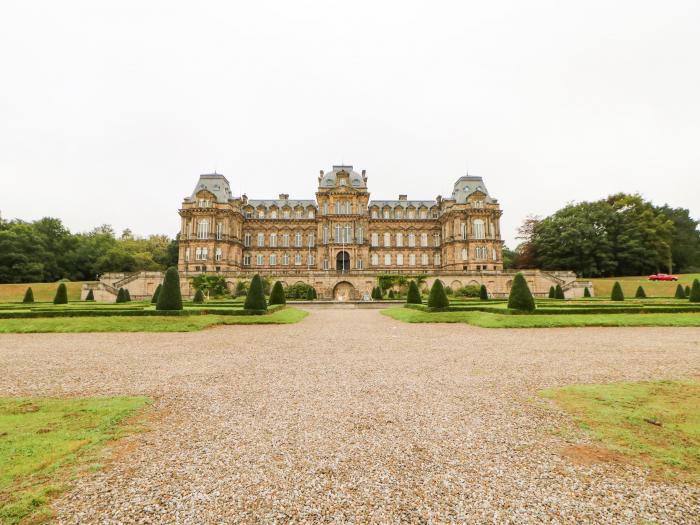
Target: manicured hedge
[(413, 295), (255, 300), (133, 313), (170, 297), (694, 294), (156, 294), (28, 296), (617, 294), (520, 297), (277, 294), (61, 294), (438, 297)]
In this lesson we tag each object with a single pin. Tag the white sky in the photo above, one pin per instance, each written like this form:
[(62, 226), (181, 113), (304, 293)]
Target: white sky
[(110, 111)]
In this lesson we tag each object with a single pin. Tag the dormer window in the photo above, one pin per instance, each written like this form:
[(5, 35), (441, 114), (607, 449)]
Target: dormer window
[(375, 214), (261, 214)]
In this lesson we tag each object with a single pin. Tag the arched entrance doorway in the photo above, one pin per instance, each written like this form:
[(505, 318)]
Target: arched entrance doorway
[(342, 262), (343, 291)]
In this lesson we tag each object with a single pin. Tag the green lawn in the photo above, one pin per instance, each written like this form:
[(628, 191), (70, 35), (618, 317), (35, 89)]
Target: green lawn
[(145, 324), (490, 320), (603, 287), (656, 424), (42, 291), (45, 442)]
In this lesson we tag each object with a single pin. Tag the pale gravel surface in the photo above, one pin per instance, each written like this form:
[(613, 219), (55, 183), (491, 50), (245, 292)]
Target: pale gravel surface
[(351, 417)]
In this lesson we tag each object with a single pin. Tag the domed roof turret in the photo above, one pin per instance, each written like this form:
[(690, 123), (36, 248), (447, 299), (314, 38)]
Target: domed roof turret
[(330, 179)]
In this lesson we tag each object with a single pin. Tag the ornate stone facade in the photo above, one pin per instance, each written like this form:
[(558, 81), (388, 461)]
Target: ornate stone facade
[(340, 231)]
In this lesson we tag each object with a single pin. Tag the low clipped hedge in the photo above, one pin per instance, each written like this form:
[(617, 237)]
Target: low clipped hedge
[(562, 311), (122, 312)]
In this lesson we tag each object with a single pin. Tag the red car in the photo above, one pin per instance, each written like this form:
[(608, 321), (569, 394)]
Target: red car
[(662, 277)]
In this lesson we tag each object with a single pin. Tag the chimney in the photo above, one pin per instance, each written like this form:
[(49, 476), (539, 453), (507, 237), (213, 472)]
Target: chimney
[(284, 196), (403, 197), (364, 172)]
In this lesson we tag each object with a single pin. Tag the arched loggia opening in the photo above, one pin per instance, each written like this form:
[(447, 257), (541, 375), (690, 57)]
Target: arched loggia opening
[(342, 262)]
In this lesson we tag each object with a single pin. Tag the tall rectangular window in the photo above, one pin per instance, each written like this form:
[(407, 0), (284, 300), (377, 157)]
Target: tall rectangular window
[(411, 240), (387, 259), (273, 240), (312, 239), (261, 239), (360, 235), (246, 260), (246, 239), (217, 254), (358, 263), (203, 229), (478, 227), (412, 259), (326, 264), (260, 260), (298, 240), (297, 259), (273, 259), (399, 259), (424, 259), (285, 240), (285, 259), (437, 259), (375, 239), (399, 240), (325, 234), (219, 231), (387, 240), (424, 239), (436, 239), (375, 259)]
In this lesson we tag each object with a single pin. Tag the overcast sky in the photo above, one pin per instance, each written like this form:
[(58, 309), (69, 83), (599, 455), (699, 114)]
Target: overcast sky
[(110, 111)]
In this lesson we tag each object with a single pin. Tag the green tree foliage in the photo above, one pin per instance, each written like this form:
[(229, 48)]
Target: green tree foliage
[(640, 293), (241, 288), (586, 292), (694, 294), (438, 297), (170, 297), (28, 296), (520, 297), (61, 296), (121, 295), (198, 297), (311, 293), (483, 293), (558, 292), (449, 291), (277, 294), (298, 291), (215, 285), (391, 294), (620, 235), (90, 295), (552, 293), (413, 295), (470, 290), (156, 293), (680, 292), (377, 293), (617, 294), (255, 300)]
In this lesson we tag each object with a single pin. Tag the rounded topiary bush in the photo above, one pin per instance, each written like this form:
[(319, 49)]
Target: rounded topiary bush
[(29, 296), (558, 292), (255, 300), (586, 292), (277, 294), (483, 293), (640, 293), (61, 296), (680, 292), (694, 294), (520, 297), (617, 294), (198, 297), (413, 295), (154, 299), (170, 297), (552, 293), (438, 297), (90, 296)]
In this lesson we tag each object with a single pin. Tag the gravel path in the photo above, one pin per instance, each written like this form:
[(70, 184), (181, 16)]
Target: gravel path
[(351, 417)]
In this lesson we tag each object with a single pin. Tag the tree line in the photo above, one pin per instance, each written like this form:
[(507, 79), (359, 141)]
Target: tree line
[(620, 235), (45, 251)]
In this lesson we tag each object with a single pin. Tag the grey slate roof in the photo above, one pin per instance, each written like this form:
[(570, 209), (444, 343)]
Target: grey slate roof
[(402, 204), (329, 180), (467, 185), (279, 203), (215, 183)]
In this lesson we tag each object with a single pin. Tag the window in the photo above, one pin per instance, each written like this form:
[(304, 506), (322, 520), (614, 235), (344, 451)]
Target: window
[(187, 254), (478, 229), (465, 254), (285, 214), (325, 208), (261, 214), (387, 240), (360, 235), (399, 260), (398, 213), (358, 264), (399, 240), (297, 259), (217, 254), (424, 214), (463, 230), (375, 214), (478, 204), (248, 214), (385, 214), (311, 214), (273, 259), (424, 259), (342, 207), (481, 253), (411, 214), (375, 259), (203, 229), (219, 230), (261, 239), (325, 264), (246, 260), (436, 239), (312, 239), (298, 240), (375, 239), (412, 259), (273, 214), (325, 234), (299, 213), (260, 260), (495, 255), (435, 214), (387, 259), (424, 239), (311, 259), (273, 240), (411, 240), (436, 259), (200, 254), (285, 259)]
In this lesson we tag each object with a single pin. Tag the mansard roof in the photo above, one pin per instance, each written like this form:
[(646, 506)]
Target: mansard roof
[(330, 179), (402, 204), (467, 185), (292, 203), (214, 183)]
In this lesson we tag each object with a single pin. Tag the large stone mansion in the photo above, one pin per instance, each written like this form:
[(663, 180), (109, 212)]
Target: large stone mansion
[(341, 230)]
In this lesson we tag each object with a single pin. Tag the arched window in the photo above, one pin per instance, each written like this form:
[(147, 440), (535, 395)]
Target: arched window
[(387, 239), (203, 229), (478, 226)]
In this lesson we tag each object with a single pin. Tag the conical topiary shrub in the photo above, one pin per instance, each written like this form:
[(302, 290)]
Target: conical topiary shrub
[(255, 300), (90, 296), (680, 292), (617, 294), (687, 290), (694, 294), (170, 297), (277, 294), (377, 293), (198, 297), (640, 293), (29, 296), (61, 296), (121, 295), (552, 293), (310, 293), (154, 299), (127, 295), (413, 295), (438, 297), (558, 292), (520, 297), (586, 292), (483, 293)]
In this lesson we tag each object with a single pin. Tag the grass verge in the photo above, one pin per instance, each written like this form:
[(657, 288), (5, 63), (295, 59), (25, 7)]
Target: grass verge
[(42, 291), (144, 324), (491, 320), (654, 424), (45, 442)]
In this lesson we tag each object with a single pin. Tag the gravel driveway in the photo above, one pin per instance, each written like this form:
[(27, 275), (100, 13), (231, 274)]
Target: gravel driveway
[(351, 417)]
